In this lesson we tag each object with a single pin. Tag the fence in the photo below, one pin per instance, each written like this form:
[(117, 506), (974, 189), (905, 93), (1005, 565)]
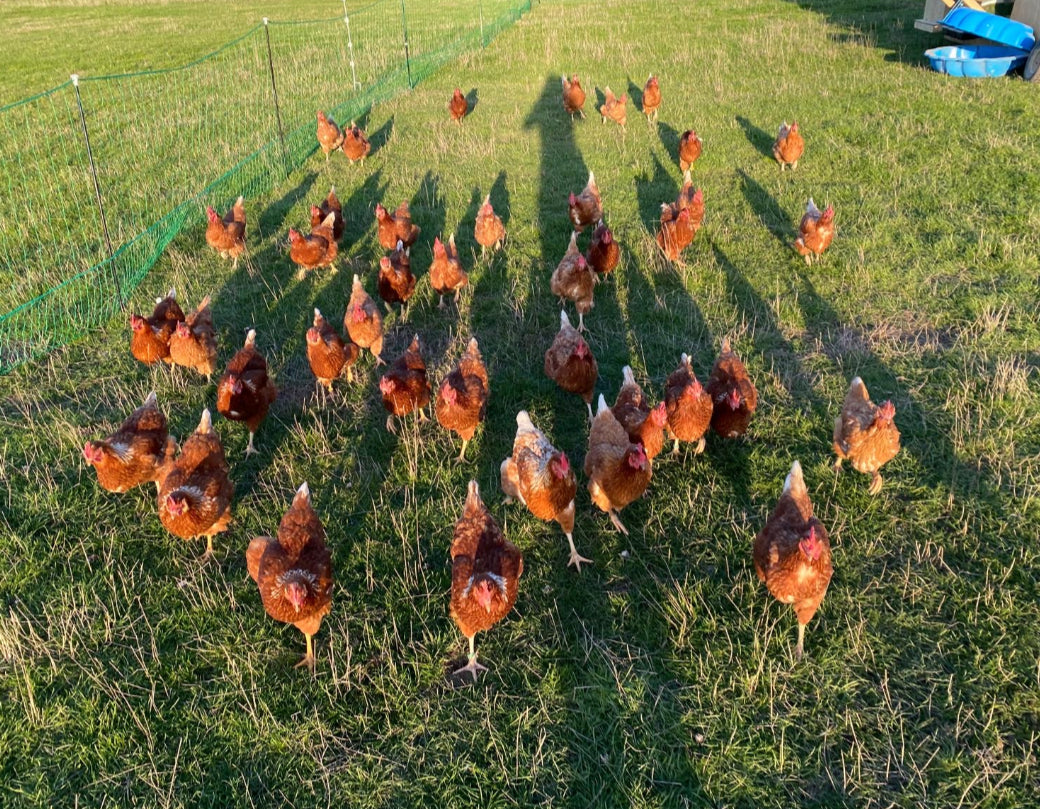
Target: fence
[(99, 174)]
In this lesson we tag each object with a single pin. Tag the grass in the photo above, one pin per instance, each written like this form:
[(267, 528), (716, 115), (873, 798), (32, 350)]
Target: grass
[(664, 677)]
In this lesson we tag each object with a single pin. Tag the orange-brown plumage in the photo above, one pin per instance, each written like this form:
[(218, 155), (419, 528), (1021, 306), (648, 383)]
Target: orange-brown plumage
[(644, 424), (675, 235), (395, 283), (792, 553), (614, 107), (488, 230), (570, 364), (618, 469), (150, 336), (294, 571), (327, 353), (604, 253), (573, 96), (865, 434), (691, 199), (586, 208), (227, 235), (194, 490), (732, 393), (355, 145), (404, 386), (363, 320), (462, 396), (789, 146), (446, 273), (245, 391), (396, 227), (458, 106), (574, 280), (688, 405), (136, 453), (330, 136), (329, 205), (651, 97), (193, 343), (690, 148), (815, 232), (485, 572), (317, 249)]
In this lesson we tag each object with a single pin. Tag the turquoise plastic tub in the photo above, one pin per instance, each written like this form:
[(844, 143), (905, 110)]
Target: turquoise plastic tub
[(976, 61)]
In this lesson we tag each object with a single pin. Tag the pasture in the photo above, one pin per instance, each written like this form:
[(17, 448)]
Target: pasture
[(662, 675)]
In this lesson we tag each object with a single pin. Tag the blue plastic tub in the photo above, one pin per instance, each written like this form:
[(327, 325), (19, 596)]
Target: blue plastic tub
[(976, 61), (989, 26)]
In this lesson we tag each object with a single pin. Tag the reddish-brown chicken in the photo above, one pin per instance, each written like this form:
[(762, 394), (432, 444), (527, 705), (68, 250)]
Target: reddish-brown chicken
[(573, 96), (688, 406), (789, 146), (540, 476), (815, 233), (733, 396), (675, 234), (865, 434), (793, 553), (462, 396), (614, 107), (404, 386), (134, 454), (604, 253), (485, 573), (355, 144), (618, 470), (364, 322), (570, 364), (458, 106), (396, 227), (689, 198), (150, 336), (316, 249), (228, 235), (396, 282), (194, 343), (330, 136), (644, 425), (689, 149), (446, 273), (651, 97), (574, 280), (294, 571), (587, 207), (327, 354), (488, 230), (245, 391), (330, 205), (194, 490)]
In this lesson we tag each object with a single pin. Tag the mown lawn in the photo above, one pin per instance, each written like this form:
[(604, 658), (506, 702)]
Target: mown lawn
[(662, 675)]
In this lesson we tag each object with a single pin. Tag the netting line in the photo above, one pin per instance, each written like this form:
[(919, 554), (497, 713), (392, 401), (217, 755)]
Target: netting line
[(55, 290)]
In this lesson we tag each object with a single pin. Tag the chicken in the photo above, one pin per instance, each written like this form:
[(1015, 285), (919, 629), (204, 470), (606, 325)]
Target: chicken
[(364, 322), (604, 253), (815, 233), (194, 343), (865, 434), (396, 227), (134, 454), (404, 386), (689, 149), (587, 207), (618, 470), (150, 336), (330, 136), (355, 144), (573, 96), (789, 146), (689, 198), (396, 282), (644, 425), (330, 205), (245, 391), (614, 108), (675, 234), (792, 553), (570, 364), (488, 230), (574, 280), (458, 106), (462, 396), (485, 573), (316, 249), (327, 354), (294, 571), (194, 490), (733, 396), (651, 97), (688, 405), (446, 273), (540, 476), (227, 235)]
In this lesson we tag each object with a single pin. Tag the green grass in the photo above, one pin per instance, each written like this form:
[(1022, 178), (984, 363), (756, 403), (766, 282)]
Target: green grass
[(130, 675)]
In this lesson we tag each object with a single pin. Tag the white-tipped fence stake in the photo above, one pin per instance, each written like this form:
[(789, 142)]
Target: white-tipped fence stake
[(274, 93), (350, 48), (480, 10), (97, 187)]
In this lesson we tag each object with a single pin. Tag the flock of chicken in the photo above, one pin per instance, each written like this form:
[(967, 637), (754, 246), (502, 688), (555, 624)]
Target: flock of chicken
[(293, 571)]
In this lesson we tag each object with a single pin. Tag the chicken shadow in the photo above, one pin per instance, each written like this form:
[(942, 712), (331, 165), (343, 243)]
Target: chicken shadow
[(472, 99), (773, 218), (428, 212), (757, 137), (669, 140), (381, 136), (273, 217)]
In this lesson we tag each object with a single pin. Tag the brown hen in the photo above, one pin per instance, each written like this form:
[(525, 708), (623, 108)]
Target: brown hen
[(150, 336), (587, 207), (688, 405), (396, 284), (134, 454), (245, 391), (330, 136), (690, 148), (327, 353), (644, 425), (355, 145), (573, 96), (618, 470), (462, 396), (815, 232), (317, 249), (604, 253), (651, 97), (865, 434), (614, 107), (458, 106), (570, 364), (364, 322), (732, 393), (446, 273), (404, 386), (789, 146), (574, 280), (193, 343), (330, 205), (227, 235), (396, 227), (488, 230)]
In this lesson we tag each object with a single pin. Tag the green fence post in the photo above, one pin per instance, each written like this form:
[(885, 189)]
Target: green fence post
[(350, 47), (480, 10), (274, 93), (407, 57)]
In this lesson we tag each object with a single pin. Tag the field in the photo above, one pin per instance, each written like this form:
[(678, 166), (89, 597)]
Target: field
[(663, 674)]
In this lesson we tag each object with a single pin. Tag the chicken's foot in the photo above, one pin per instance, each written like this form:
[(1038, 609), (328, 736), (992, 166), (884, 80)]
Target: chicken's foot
[(250, 449), (308, 659), (473, 666), (675, 447), (875, 484), (462, 454), (617, 522), (576, 558), (441, 304), (800, 646), (700, 446), (209, 550)]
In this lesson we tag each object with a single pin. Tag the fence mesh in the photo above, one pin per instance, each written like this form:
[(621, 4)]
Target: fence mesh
[(156, 136)]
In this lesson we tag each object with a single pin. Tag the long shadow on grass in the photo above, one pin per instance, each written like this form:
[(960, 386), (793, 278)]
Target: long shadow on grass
[(381, 136), (890, 25), (271, 221), (757, 137), (768, 210)]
